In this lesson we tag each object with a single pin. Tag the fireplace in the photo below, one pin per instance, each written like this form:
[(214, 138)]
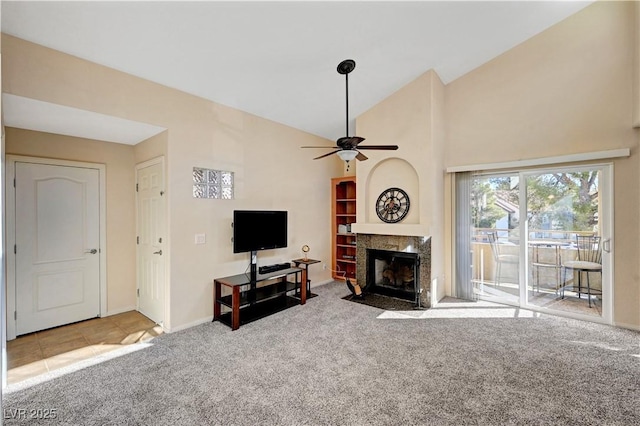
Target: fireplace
[(395, 254), (394, 273)]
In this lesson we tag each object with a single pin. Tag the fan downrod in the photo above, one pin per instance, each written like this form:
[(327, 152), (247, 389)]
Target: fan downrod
[(346, 66)]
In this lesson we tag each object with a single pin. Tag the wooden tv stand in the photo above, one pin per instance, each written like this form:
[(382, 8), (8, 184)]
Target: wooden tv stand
[(249, 302)]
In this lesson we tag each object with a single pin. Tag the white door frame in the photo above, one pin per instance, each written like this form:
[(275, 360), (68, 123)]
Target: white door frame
[(11, 161), (158, 160)]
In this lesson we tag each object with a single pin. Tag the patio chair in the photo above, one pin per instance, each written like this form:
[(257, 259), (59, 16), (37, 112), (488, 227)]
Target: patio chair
[(589, 261), (499, 257)]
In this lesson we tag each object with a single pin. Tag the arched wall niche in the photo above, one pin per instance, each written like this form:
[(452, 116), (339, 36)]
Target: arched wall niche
[(389, 173)]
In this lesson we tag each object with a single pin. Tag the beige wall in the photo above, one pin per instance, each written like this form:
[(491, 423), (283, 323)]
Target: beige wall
[(154, 147), (401, 119), (270, 169), (412, 118), (636, 69), (567, 90), (270, 172), (120, 220)]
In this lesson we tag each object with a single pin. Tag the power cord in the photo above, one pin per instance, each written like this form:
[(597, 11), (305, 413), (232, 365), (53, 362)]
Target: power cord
[(339, 272)]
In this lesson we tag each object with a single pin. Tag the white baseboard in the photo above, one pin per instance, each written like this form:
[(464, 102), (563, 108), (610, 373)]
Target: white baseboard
[(188, 325), (121, 310)]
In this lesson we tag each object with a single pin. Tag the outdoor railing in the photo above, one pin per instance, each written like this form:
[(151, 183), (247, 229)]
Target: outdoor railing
[(509, 241), (513, 235)]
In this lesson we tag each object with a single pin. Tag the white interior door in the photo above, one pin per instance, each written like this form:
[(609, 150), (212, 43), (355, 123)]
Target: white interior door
[(57, 230), (151, 240)]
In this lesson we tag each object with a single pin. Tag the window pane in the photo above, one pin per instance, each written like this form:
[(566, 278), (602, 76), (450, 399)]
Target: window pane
[(200, 191), (214, 176), (227, 193), (214, 192), (495, 218), (227, 178), (199, 175), (561, 206)]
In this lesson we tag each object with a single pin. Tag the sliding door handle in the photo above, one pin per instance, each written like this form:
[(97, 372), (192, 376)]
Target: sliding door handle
[(606, 245)]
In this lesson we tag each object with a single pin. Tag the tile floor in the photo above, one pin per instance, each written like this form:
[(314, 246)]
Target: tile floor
[(37, 353)]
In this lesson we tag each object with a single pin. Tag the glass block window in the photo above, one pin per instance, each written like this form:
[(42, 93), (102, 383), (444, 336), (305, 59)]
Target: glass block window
[(215, 184)]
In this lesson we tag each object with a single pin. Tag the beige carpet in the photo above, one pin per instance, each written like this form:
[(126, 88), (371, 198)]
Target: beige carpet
[(334, 362)]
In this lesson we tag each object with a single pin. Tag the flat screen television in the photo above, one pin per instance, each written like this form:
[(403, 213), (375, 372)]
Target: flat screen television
[(259, 230)]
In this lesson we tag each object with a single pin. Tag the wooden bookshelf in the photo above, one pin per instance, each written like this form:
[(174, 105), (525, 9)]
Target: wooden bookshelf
[(343, 214)]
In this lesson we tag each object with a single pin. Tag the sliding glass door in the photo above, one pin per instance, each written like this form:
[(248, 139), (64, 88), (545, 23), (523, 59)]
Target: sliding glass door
[(538, 239), (495, 240)]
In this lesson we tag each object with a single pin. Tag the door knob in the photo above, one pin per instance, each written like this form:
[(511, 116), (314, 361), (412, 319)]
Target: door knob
[(158, 252), (92, 251)]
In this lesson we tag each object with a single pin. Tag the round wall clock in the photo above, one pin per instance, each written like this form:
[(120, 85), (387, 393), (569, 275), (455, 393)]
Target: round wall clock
[(392, 205)]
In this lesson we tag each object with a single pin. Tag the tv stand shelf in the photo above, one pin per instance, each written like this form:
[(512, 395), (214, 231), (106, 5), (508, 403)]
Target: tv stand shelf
[(260, 294), (249, 302)]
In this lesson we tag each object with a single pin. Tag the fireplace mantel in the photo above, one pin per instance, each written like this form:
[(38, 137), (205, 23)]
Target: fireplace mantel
[(408, 229)]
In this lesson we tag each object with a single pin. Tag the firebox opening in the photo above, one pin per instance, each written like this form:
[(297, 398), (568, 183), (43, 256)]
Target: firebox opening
[(393, 273)]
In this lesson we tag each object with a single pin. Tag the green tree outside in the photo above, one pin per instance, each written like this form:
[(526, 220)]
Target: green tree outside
[(556, 201)]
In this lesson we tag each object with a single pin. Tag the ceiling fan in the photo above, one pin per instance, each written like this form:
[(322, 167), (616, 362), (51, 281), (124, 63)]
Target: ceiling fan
[(347, 147)]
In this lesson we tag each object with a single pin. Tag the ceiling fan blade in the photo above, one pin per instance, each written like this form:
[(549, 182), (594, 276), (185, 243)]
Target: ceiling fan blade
[(325, 147), (384, 147), (361, 157), (355, 140), (326, 155)]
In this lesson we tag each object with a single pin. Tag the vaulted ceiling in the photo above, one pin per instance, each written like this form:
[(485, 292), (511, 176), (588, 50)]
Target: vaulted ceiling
[(278, 60)]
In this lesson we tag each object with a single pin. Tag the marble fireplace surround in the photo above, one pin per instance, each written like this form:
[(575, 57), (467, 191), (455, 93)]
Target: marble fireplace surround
[(404, 243)]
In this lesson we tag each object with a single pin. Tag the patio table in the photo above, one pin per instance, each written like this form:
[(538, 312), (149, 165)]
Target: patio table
[(555, 264)]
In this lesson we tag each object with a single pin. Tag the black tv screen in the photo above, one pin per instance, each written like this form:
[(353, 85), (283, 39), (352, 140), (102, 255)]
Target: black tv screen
[(259, 230)]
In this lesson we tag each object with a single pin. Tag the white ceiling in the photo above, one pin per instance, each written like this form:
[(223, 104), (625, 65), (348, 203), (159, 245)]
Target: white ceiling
[(278, 59)]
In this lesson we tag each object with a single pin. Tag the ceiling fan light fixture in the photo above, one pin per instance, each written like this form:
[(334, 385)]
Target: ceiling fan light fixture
[(347, 147), (347, 154)]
